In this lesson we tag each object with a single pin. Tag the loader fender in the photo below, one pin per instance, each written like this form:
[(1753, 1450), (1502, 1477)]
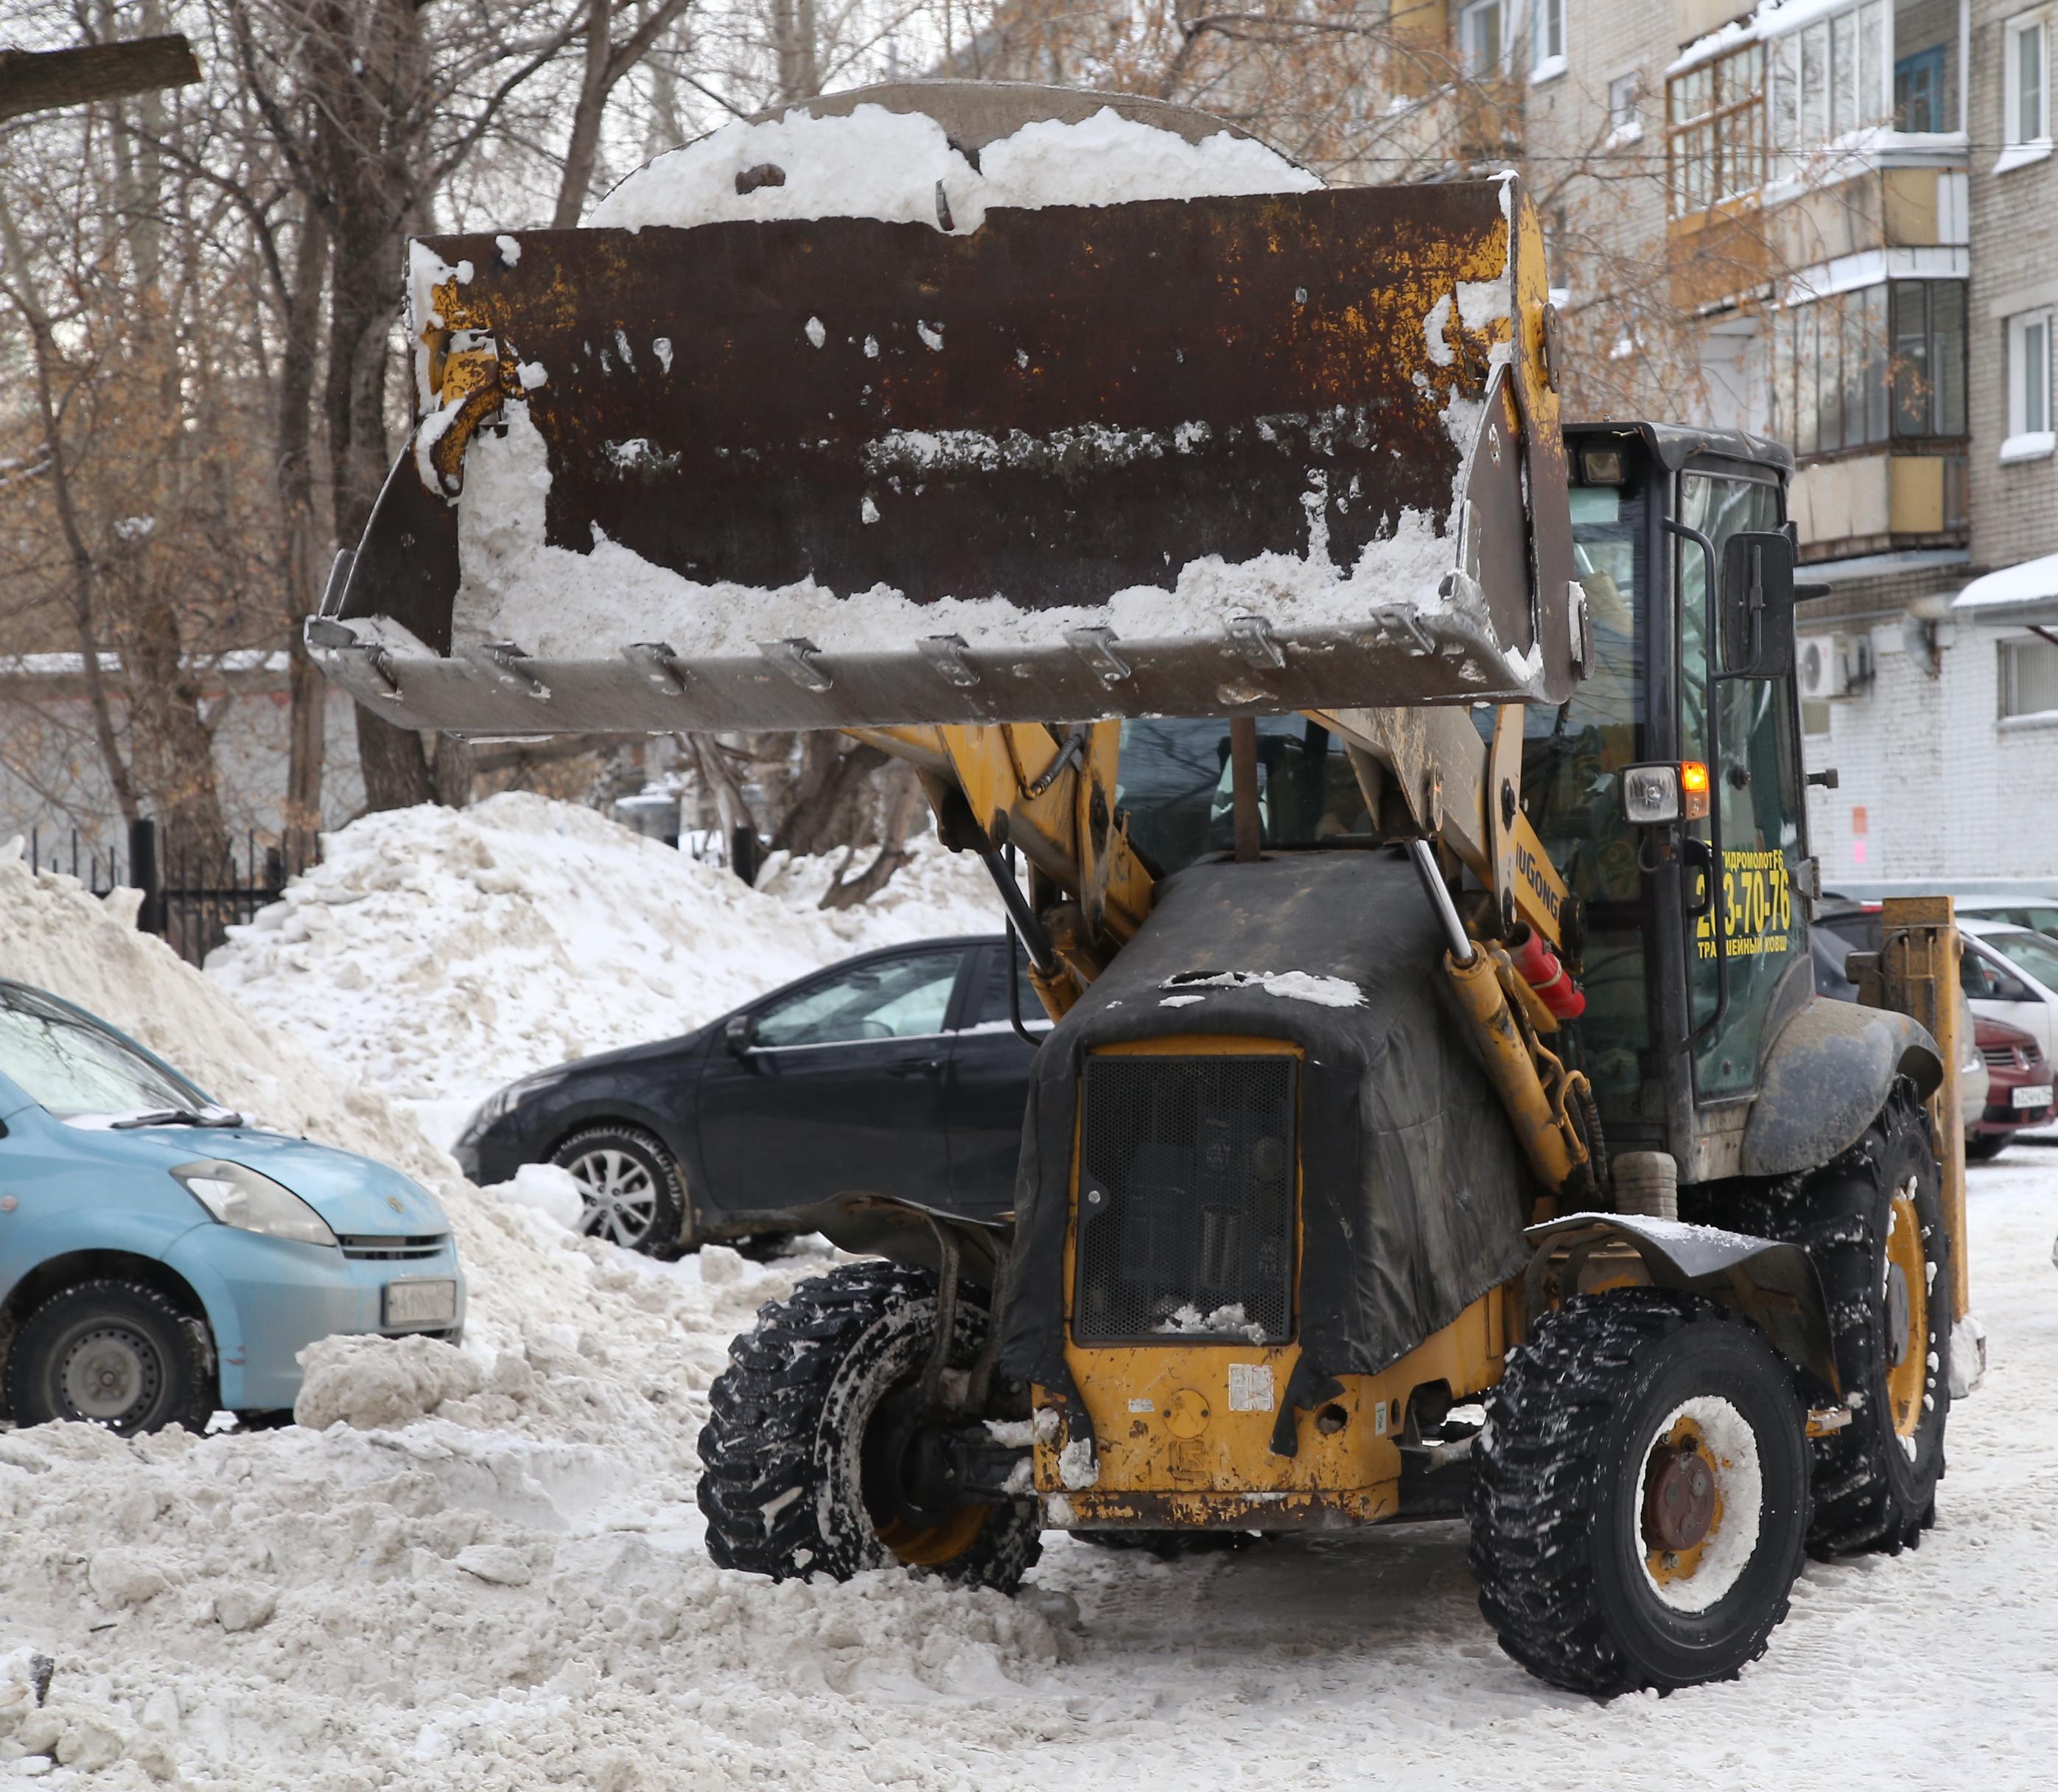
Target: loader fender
[(1827, 1075), (907, 1232), (1772, 1284)]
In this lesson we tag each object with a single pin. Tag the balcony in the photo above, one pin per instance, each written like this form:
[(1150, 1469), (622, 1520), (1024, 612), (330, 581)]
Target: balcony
[(1879, 502), (1794, 149)]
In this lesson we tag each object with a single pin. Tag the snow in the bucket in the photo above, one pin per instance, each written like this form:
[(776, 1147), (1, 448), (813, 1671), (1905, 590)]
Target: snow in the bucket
[(872, 163)]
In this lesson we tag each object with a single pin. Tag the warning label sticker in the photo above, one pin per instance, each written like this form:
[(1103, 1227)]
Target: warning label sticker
[(1250, 1388)]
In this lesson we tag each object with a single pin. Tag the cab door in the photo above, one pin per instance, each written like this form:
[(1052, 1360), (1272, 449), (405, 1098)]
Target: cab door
[(1747, 932)]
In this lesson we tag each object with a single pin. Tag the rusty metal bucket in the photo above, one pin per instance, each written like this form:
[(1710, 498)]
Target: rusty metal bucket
[(1176, 457)]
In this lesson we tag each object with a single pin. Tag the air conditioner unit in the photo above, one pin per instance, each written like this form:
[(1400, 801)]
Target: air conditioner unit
[(1824, 664)]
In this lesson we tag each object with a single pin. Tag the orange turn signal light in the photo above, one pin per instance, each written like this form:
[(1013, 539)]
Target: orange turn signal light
[(1694, 788)]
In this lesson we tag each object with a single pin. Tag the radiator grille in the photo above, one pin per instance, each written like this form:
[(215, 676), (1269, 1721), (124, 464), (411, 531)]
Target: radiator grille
[(379, 1247), (1186, 1201)]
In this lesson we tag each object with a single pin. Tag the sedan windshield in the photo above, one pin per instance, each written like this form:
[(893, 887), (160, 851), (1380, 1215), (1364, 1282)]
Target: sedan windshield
[(2027, 951), (71, 1067)]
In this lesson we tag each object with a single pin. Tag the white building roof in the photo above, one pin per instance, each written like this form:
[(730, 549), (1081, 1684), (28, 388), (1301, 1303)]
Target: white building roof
[(2026, 592)]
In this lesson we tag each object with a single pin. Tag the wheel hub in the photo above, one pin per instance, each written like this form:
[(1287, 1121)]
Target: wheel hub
[(621, 1200), (1679, 1498), (1896, 1315), (109, 1374)]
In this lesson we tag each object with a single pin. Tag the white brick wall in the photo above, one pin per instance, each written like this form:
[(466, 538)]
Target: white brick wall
[(2015, 259), (1948, 792)]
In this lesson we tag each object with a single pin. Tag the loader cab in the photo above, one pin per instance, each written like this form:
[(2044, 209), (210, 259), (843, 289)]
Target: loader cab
[(1691, 966)]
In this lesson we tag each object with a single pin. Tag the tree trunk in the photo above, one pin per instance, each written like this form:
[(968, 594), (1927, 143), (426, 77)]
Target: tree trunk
[(30, 307), (450, 772), (583, 147), (903, 804), (827, 779), (718, 775), (307, 690)]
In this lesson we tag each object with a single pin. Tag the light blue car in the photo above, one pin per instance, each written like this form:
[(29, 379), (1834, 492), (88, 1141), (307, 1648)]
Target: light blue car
[(160, 1260)]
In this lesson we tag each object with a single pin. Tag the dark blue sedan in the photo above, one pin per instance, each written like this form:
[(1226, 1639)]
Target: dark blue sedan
[(897, 1073)]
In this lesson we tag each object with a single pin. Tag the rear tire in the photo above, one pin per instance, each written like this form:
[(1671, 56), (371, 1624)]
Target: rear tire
[(116, 1354), (635, 1194), (1981, 1146), (788, 1484), (1874, 1223), (1599, 1419)]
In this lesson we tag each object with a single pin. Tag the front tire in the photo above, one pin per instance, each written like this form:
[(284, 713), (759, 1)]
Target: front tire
[(116, 1354), (1639, 1507), (634, 1194), (794, 1477)]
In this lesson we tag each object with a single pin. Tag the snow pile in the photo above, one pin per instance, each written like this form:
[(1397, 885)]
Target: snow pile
[(436, 954), (375, 1382), (901, 167), (494, 1595)]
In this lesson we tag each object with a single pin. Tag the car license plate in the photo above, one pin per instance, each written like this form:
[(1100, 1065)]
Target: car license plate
[(2032, 1095), (421, 1303)]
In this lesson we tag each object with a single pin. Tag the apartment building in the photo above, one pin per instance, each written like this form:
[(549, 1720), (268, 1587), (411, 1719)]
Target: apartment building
[(1857, 206)]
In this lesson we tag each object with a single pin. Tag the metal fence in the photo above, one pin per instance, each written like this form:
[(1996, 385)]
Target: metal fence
[(188, 901)]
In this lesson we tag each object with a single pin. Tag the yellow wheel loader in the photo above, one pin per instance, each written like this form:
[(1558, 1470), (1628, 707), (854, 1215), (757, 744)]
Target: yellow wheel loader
[(1396, 798)]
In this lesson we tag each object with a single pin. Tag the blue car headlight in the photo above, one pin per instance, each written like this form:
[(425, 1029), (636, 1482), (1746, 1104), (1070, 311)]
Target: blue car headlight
[(237, 1195)]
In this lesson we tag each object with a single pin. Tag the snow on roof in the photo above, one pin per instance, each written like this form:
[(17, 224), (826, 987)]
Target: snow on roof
[(2004, 595)]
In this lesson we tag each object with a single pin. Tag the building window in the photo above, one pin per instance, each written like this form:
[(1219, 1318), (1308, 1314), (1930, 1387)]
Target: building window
[(1482, 38), (1625, 107), (1547, 29), (1929, 369), (2027, 66), (1859, 369), (1716, 134), (2029, 432), (2028, 678), (1918, 90)]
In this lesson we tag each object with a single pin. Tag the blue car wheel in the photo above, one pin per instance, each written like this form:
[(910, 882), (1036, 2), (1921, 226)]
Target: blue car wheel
[(111, 1354)]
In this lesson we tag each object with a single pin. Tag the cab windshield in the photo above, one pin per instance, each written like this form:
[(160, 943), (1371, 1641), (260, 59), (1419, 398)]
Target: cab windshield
[(1175, 787)]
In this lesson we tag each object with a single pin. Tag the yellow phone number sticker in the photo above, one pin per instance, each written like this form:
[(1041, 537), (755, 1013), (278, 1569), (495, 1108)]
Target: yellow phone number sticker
[(1758, 894)]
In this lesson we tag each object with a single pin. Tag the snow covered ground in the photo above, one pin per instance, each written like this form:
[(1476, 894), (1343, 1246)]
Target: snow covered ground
[(510, 1592)]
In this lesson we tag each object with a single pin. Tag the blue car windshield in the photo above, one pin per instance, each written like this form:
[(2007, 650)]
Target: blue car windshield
[(70, 1066)]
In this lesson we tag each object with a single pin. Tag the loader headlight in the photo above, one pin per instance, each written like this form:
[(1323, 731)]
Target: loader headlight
[(237, 1195), (1676, 792)]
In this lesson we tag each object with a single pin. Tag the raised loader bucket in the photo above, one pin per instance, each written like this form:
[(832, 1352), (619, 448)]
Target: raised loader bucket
[(1292, 450)]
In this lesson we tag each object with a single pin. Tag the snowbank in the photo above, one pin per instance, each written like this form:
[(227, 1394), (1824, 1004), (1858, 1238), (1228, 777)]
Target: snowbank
[(477, 1596), (435, 954), (900, 166)]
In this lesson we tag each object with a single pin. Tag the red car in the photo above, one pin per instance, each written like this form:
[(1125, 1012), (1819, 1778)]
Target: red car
[(2018, 1087)]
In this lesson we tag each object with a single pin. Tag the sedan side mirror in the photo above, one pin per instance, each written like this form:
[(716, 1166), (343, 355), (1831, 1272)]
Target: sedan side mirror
[(736, 1034), (1758, 606)]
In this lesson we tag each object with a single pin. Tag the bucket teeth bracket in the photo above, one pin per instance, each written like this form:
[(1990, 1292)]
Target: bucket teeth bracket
[(507, 664), (947, 653), (800, 659), (658, 661), (1252, 637), (1096, 647)]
